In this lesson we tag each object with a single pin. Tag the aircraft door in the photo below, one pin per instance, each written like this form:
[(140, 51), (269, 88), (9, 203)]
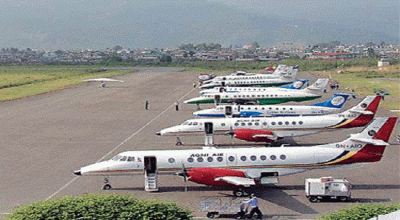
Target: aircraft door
[(222, 84), (217, 99), (150, 164), (150, 173), (208, 127), (228, 110)]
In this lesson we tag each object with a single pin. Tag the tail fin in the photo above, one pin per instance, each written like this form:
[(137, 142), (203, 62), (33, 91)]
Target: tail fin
[(297, 84), (369, 144), (366, 110), (318, 86), (336, 101), (287, 72)]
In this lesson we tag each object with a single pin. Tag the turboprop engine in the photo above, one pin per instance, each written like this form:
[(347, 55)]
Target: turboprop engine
[(255, 135)]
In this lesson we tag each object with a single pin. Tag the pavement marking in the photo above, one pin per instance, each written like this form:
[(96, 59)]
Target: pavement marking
[(123, 142)]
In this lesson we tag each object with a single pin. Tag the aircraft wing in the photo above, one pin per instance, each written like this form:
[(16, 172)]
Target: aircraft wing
[(269, 136), (103, 80), (236, 180)]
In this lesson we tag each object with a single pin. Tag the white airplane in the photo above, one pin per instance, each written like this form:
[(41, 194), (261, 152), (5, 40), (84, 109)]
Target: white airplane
[(272, 95), (331, 106), (269, 129), (102, 81), (281, 76), (296, 84), (245, 167)]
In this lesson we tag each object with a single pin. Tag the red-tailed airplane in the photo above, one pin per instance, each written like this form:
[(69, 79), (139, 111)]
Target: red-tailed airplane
[(245, 167), (269, 129)]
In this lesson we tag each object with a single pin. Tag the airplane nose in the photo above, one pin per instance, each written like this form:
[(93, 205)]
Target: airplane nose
[(77, 172), (158, 133)]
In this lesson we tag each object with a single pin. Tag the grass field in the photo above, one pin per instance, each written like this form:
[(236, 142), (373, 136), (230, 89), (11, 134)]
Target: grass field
[(22, 81)]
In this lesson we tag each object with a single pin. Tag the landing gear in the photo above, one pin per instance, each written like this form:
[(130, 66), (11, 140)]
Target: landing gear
[(106, 186), (102, 85), (178, 142), (314, 199), (239, 192)]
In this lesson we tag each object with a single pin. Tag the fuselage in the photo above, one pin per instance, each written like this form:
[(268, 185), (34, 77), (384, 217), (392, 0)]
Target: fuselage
[(264, 111), (253, 161), (274, 96)]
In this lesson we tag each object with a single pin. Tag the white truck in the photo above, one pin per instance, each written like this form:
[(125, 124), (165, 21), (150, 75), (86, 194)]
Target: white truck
[(318, 189)]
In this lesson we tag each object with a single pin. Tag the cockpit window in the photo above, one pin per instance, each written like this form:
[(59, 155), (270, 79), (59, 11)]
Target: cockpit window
[(131, 159), (124, 158), (116, 158)]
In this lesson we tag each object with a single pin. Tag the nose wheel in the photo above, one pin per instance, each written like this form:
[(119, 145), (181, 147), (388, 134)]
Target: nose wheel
[(106, 185), (178, 142)]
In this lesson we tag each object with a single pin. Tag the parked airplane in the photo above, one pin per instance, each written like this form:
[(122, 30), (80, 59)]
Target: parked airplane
[(281, 76), (331, 106), (268, 129), (244, 167), (102, 81), (268, 96), (296, 84)]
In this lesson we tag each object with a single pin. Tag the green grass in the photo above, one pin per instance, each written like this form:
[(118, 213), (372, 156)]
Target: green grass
[(24, 80)]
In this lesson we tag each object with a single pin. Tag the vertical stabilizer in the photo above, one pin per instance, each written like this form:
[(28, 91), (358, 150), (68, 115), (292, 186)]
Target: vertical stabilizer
[(297, 84), (318, 86), (336, 101)]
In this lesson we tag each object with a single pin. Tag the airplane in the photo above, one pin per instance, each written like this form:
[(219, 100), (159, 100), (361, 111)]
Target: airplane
[(268, 96), (102, 81), (296, 84), (241, 168), (281, 76), (269, 129), (205, 77), (331, 106)]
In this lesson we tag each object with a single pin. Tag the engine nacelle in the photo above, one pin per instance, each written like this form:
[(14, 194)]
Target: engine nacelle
[(207, 176), (255, 135)]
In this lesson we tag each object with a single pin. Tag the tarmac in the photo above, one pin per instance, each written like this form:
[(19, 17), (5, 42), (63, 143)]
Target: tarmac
[(45, 137)]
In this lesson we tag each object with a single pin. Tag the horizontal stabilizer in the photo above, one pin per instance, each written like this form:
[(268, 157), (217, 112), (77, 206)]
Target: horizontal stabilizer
[(236, 180), (269, 136), (376, 142), (361, 112)]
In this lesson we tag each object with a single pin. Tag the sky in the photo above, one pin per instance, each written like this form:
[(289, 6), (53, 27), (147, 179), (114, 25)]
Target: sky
[(72, 24)]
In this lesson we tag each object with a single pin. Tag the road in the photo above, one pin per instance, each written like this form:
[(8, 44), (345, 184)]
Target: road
[(45, 137)]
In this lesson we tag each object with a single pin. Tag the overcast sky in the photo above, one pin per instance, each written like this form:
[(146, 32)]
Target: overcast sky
[(80, 23)]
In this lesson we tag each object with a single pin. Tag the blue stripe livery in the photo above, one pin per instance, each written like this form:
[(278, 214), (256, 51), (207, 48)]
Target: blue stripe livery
[(336, 101)]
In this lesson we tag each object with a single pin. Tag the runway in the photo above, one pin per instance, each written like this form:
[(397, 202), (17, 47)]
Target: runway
[(44, 138)]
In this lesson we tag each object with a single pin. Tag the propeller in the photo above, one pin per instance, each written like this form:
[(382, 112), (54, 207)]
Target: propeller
[(184, 174)]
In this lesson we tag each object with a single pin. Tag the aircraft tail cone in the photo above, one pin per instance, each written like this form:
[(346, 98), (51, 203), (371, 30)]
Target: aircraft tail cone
[(77, 172), (158, 133)]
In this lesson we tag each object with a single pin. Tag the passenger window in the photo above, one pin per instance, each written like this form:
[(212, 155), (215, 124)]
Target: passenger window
[(249, 124), (280, 123), (287, 123), (273, 123), (256, 124), (231, 158), (222, 124), (194, 123), (190, 160), (263, 157), (293, 123), (220, 159), (209, 159), (253, 158), (200, 159), (273, 157), (243, 158), (171, 160), (236, 124), (243, 124), (264, 123), (300, 122), (283, 157)]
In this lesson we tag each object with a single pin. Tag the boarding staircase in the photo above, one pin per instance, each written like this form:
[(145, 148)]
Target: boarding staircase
[(150, 182)]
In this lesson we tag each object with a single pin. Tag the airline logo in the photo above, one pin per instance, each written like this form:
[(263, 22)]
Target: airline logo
[(298, 84), (338, 100)]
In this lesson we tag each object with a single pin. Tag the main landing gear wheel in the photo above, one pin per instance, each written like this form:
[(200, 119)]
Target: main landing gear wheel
[(239, 192), (343, 199)]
